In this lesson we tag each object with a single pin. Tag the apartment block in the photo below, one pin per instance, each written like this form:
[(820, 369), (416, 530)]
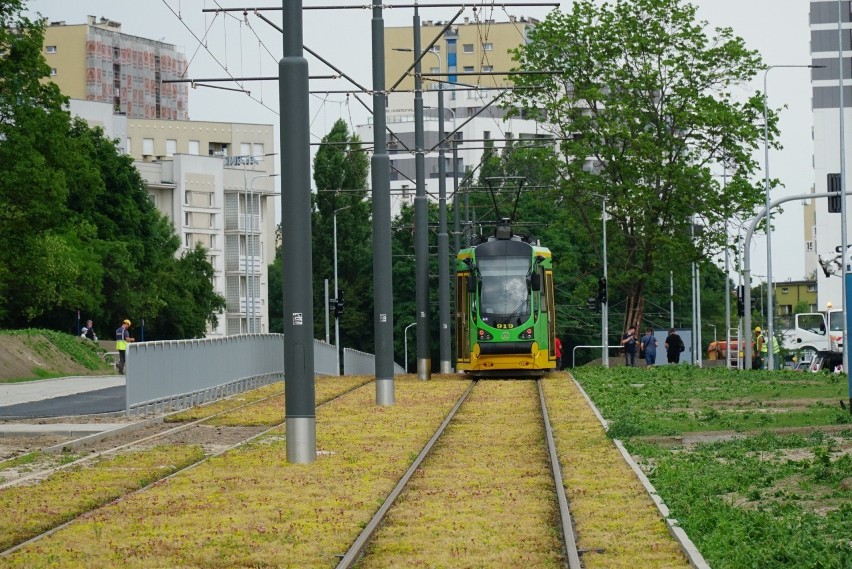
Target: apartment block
[(470, 45), (96, 62)]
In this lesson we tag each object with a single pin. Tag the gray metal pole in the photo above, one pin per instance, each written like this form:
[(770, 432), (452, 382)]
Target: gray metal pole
[(446, 364), (297, 271), (405, 341), (699, 344), (671, 299), (380, 175), (605, 307), (844, 242), (421, 221), (336, 297), (327, 306), (246, 237), (456, 212)]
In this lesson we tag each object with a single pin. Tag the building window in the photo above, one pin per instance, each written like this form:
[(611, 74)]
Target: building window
[(486, 134), (488, 68), (468, 69), (245, 149), (488, 46), (434, 70), (812, 288), (188, 239), (153, 198), (257, 150), (436, 48), (53, 72), (187, 219), (128, 147), (467, 48), (785, 290), (50, 49), (147, 147), (171, 147), (194, 147)]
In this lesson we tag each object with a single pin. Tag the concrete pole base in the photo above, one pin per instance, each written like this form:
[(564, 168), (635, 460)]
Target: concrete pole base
[(424, 369), (384, 392), (446, 367), (301, 439)]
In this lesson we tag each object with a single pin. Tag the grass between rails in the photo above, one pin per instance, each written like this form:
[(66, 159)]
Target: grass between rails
[(27, 511), (250, 507), (610, 507), (768, 500), (271, 411), (484, 497)]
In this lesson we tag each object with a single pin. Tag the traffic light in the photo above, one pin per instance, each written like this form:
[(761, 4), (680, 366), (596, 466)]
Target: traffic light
[(834, 186), (602, 290), (592, 304), (741, 300), (338, 305)]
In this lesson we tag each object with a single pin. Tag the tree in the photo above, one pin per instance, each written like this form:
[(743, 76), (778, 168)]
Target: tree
[(341, 168), (642, 102), (77, 229)]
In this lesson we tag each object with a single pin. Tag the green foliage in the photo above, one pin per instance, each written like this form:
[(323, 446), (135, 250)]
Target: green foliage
[(77, 229), (764, 501), (86, 354), (645, 102), (671, 400)]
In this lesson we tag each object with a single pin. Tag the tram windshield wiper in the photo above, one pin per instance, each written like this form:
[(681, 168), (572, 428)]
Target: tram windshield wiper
[(523, 304)]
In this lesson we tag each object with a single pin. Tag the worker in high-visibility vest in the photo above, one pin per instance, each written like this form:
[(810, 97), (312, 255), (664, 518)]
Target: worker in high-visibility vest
[(760, 349), (763, 347), (122, 337)]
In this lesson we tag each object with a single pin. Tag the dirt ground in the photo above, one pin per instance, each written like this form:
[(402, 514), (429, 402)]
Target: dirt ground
[(18, 359)]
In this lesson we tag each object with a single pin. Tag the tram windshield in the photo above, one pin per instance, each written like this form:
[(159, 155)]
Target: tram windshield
[(504, 297)]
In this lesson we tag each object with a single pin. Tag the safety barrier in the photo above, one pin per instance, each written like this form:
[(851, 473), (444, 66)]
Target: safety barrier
[(361, 363), (325, 358), (176, 374), (170, 375)]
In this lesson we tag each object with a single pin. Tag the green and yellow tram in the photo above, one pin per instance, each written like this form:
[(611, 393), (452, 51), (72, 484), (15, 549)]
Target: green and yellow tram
[(505, 312)]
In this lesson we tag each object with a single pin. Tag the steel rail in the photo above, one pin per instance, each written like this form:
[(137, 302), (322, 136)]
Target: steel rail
[(357, 547), (569, 543), (204, 459)]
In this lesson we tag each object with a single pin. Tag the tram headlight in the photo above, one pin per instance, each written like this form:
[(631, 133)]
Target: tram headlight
[(483, 335), (526, 334)]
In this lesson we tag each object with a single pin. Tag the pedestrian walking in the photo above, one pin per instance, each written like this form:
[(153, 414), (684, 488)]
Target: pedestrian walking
[(649, 346), (88, 331), (674, 347), (122, 338), (629, 341), (558, 349)]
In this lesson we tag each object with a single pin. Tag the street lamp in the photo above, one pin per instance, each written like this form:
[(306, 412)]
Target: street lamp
[(605, 300), (770, 334), (405, 338), (250, 218)]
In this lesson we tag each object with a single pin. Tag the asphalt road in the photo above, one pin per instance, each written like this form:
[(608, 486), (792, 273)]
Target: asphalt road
[(107, 400)]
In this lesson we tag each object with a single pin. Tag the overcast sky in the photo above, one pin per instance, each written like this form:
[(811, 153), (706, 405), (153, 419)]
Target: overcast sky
[(778, 29)]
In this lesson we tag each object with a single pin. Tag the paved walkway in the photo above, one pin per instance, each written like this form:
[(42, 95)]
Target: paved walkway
[(61, 397), (28, 391)]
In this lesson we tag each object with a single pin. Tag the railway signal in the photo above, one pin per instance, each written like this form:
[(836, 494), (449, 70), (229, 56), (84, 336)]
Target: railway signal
[(338, 305)]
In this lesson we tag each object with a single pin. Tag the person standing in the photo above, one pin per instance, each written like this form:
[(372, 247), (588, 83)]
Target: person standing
[(122, 337), (628, 341), (761, 349), (674, 346), (649, 345), (557, 348), (88, 331)]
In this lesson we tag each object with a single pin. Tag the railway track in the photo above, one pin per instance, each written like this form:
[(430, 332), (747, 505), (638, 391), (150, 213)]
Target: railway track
[(417, 490), (198, 432)]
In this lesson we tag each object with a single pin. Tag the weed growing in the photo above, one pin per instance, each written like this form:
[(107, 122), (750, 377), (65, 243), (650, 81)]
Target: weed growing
[(484, 497), (615, 519)]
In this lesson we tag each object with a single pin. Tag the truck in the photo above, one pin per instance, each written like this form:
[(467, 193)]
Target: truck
[(817, 337)]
